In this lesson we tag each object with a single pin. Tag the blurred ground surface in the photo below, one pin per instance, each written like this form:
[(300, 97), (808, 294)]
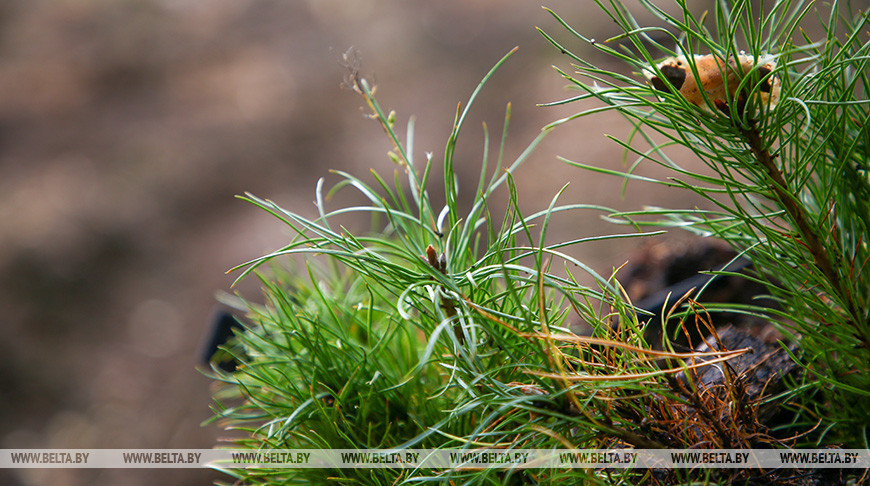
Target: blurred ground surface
[(127, 127)]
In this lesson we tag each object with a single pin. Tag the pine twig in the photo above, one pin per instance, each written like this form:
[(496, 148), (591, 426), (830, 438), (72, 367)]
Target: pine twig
[(797, 214)]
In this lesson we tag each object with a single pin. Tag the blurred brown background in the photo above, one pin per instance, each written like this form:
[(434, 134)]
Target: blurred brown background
[(126, 129)]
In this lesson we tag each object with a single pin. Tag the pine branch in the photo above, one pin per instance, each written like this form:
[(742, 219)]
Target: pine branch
[(798, 215), (796, 212)]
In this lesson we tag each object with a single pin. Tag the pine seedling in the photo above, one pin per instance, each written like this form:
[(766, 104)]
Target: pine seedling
[(434, 331), (786, 148), (445, 328)]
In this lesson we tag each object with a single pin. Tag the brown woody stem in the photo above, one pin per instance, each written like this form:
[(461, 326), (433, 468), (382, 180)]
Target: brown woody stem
[(788, 201)]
